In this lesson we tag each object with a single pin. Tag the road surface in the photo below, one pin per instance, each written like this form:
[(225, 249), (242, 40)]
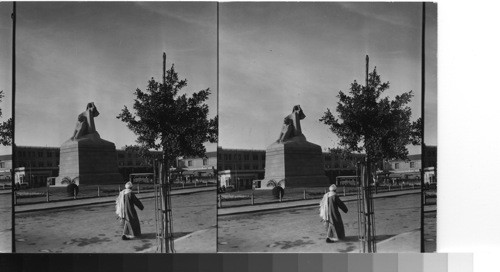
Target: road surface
[(95, 229), (5, 223), (300, 229)]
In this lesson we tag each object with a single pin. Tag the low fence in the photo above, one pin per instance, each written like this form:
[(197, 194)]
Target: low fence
[(50, 194), (255, 197)]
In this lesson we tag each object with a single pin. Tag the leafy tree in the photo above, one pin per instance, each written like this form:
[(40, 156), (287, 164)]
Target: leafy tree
[(373, 124), (6, 127), (170, 122)]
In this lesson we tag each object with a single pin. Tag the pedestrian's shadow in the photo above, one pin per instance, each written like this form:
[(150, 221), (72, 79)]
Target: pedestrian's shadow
[(151, 235), (348, 239)]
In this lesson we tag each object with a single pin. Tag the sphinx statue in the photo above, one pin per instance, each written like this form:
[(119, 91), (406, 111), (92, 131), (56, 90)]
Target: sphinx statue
[(291, 129), (85, 123), (86, 156), (292, 158)]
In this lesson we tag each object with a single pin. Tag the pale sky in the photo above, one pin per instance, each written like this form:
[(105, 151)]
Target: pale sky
[(69, 54), (271, 56), (274, 56)]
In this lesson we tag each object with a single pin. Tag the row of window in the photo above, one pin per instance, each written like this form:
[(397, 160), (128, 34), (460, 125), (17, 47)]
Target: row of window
[(241, 167), (190, 162), (56, 164), (38, 164), (396, 165), (337, 165), (241, 157), (129, 163), (39, 154)]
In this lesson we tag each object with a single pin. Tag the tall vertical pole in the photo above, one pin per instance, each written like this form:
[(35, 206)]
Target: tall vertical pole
[(422, 244), (164, 66), (14, 162), (366, 75), (163, 175), (367, 178)]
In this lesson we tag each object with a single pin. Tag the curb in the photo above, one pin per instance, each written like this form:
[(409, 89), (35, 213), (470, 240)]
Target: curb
[(263, 209), (397, 236), (95, 203)]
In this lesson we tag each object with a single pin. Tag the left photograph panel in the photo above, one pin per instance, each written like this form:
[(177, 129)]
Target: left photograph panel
[(6, 62), (116, 127)]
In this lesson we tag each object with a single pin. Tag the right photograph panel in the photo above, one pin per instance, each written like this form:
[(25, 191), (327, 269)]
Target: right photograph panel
[(321, 130)]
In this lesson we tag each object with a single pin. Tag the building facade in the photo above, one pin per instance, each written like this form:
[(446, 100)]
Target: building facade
[(239, 168)]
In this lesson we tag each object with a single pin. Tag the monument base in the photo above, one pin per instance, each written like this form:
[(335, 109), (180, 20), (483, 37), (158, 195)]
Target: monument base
[(298, 162), (89, 161)]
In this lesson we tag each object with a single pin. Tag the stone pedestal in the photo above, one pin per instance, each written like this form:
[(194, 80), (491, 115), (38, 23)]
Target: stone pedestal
[(299, 162), (91, 159)]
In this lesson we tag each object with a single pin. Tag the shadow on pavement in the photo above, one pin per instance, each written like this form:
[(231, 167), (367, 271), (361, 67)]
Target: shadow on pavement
[(151, 235)]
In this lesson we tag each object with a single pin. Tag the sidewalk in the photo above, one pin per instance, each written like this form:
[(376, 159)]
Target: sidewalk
[(201, 241), (98, 200), (300, 203), (401, 243)]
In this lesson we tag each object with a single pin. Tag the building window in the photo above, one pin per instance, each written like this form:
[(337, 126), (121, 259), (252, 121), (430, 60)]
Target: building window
[(255, 167), (120, 163), (121, 155), (130, 163), (40, 164), (247, 167), (247, 157), (49, 164), (205, 161), (412, 164), (190, 163), (2, 164), (255, 157), (396, 165), (40, 154)]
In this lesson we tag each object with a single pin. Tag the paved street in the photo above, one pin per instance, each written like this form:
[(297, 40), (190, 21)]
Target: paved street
[(5, 223), (300, 229), (430, 231), (94, 228)]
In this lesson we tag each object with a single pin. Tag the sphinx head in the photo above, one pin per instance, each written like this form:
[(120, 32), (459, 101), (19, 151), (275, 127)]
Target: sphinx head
[(297, 109), (93, 109)]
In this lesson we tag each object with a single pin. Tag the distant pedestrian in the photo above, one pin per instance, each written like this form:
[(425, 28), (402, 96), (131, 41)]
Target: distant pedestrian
[(330, 215), (126, 212)]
